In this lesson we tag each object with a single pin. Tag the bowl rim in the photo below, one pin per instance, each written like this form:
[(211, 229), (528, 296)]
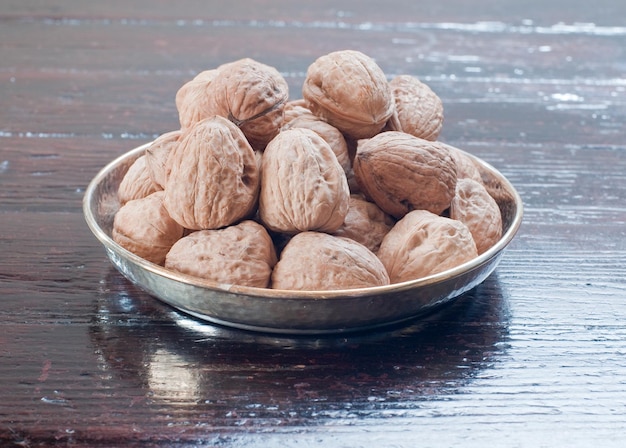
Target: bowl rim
[(269, 293)]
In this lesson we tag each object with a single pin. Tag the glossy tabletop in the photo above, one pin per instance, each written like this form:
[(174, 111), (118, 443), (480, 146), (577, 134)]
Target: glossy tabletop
[(535, 356)]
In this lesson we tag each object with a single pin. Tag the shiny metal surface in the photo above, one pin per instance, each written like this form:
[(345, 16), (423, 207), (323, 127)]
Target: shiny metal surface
[(294, 312)]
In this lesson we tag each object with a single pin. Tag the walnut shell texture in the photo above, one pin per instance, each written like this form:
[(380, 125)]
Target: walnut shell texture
[(298, 116), (194, 101), (157, 155), (350, 91), (418, 111), (315, 261), (214, 177), (401, 173), (474, 207), (365, 223), (247, 92), (303, 187), (465, 166), (253, 96), (241, 254), (422, 244), (137, 182), (144, 227)]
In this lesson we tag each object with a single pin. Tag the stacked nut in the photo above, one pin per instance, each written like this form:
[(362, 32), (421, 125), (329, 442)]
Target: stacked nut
[(345, 188)]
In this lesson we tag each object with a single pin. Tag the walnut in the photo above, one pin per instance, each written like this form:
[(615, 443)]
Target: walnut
[(418, 111), (298, 116), (157, 155), (214, 177), (319, 261), (401, 172), (136, 183), (194, 101), (473, 206), (365, 223), (422, 244), (250, 94), (241, 254), (144, 227), (465, 166), (303, 187), (350, 91)]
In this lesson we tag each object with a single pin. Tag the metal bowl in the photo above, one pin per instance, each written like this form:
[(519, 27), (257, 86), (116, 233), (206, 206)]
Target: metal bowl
[(295, 312)]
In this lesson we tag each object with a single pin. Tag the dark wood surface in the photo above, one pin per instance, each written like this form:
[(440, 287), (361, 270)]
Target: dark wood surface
[(533, 357)]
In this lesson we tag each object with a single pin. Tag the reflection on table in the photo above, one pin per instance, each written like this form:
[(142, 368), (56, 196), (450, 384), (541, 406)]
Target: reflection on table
[(180, 360)]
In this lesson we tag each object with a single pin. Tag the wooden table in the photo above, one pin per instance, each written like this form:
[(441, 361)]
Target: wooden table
[(533, 357)]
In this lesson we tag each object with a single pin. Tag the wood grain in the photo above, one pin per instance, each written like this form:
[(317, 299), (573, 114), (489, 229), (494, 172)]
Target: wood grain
[(534, 356)]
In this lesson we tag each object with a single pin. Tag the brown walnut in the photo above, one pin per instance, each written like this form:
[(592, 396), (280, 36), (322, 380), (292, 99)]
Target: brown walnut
[(350, 91), (298, 116), (422, 244), (401, 173), (194, 101), (315, 261), (137, 183), (365, 223), (465, 167), (214, 177), (145, 228), (241, 254), (473, 206), (157, 155), (418, 111), (303, 187), (252, 95)]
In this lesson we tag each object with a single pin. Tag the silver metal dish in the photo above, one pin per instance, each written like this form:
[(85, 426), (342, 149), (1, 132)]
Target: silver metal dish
[(294, 312)]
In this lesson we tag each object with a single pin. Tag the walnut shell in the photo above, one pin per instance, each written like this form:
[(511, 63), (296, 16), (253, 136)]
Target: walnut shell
[(474, 207), (315, 261), (298, 116), (418, 111), (137, 182), (465, 167), (214, 177), (144, 227), (252, 95), (350, 91), (422, 244), (157, 155), (194, 101), (401, 172), (303, 187), (365, 223), (241, 254)]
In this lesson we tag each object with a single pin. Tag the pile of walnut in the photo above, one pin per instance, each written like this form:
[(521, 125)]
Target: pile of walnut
[(345, 188)]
